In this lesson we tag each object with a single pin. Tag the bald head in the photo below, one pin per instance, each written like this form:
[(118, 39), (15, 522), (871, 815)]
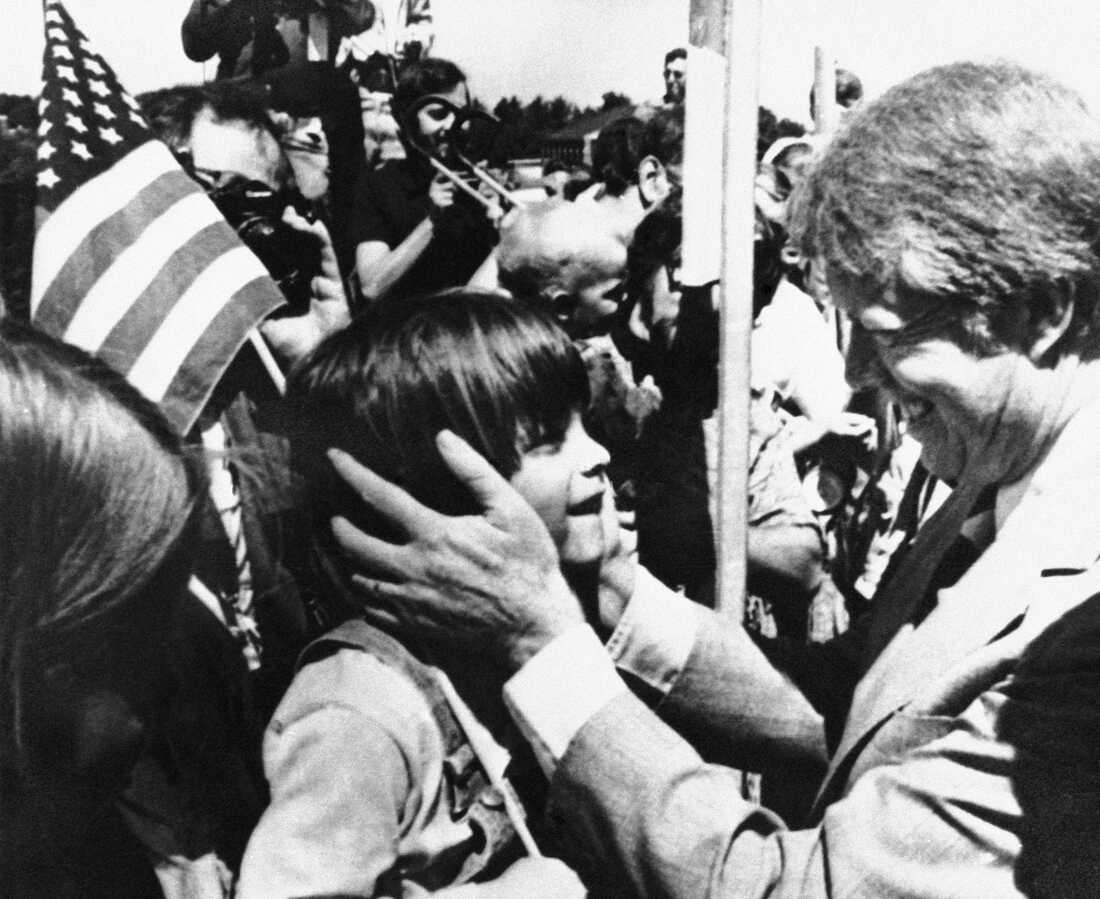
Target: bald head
[(569, 255)]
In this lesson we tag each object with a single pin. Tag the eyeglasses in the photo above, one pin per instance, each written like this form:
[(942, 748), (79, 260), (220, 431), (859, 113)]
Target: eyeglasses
[(940, 319)]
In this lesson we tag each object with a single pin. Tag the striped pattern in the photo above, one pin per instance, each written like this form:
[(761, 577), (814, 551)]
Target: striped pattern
[(132, 261)]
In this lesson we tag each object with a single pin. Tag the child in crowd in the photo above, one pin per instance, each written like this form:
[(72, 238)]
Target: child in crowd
[(379, 783)]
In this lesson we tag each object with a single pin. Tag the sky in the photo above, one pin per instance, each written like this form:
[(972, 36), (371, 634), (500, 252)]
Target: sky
[(582, 48)]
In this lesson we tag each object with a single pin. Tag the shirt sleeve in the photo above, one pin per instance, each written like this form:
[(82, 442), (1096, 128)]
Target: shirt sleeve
[(555, 693), (572, 678), (338, 783), (655, 636), (370, 221)]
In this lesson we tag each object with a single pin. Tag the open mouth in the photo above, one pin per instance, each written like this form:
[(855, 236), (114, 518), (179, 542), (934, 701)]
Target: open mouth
[(591, 506)]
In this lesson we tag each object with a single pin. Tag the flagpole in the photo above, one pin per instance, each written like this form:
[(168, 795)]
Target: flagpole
[(269, 361), (494, 761)]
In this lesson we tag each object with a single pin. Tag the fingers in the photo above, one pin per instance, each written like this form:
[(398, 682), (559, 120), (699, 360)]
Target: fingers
[(487, 485), (382, 496), (367, 551)]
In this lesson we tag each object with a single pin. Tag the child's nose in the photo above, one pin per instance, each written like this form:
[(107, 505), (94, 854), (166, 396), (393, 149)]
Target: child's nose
[(593, 458)]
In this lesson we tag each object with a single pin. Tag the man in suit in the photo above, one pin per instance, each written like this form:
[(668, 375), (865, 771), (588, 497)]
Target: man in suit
[(957, 218)]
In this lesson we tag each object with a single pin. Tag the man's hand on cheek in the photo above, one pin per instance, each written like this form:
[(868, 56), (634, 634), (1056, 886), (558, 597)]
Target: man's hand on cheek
[(489, 582), (599, 555)]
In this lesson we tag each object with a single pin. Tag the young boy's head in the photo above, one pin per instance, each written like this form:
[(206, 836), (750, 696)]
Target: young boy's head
[(570, 257), (497, 372)]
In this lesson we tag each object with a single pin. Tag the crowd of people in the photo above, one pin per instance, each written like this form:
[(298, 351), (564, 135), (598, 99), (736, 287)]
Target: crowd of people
[(440, 615)]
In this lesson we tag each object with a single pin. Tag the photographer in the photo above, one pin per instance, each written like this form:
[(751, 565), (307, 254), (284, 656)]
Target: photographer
[(254, 37), (288, 49), (223, 137)]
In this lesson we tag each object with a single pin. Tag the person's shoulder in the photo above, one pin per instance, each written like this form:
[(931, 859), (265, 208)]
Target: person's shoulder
[(355, 682)]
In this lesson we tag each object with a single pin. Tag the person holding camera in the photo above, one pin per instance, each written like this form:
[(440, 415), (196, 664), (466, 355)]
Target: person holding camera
[(223, 137), (254, 37), (413, 229), (288, 50)]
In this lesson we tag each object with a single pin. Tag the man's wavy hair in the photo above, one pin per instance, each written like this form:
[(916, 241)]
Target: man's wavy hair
[(977, 183)]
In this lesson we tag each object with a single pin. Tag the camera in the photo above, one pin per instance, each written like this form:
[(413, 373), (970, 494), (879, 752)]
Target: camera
[(255, 212)]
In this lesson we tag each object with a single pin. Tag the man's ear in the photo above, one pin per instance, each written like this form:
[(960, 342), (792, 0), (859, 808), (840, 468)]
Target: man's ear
[(652, 180), (1049, 319)]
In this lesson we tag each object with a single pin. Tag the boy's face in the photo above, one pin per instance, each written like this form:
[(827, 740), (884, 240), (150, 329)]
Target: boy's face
[(566, 484)]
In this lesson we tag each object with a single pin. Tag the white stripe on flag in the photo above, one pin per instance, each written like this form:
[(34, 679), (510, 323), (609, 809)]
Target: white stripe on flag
[(181, 329), (135, 268), (89, 205)]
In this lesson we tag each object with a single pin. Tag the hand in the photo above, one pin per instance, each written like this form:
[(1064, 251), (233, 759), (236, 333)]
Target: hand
[(486, 582), (294, 336), (619, 566), (804, 433), (441, 195), (609, 551), (861, 427)]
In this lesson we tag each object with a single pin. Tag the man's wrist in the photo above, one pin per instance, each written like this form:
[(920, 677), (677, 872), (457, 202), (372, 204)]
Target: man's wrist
[(558, 612)]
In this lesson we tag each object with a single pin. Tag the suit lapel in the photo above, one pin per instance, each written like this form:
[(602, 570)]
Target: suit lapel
[(1055, 530)]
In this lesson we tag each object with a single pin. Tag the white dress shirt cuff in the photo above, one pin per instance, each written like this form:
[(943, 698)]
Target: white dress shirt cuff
[(556, 692), (655, 636)]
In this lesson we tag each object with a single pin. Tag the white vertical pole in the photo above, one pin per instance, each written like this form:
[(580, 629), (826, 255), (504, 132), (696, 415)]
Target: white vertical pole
[(742, 19), (826, 113)]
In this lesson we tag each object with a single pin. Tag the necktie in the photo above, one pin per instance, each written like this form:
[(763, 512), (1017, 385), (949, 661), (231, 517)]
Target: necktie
[(899, 600)]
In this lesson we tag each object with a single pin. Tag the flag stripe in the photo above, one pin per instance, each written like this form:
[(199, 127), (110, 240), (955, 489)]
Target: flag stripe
[(97, 252), (137, 266), (210, 357), (132, 261), (189, 318), (59, 237), (132, 333)]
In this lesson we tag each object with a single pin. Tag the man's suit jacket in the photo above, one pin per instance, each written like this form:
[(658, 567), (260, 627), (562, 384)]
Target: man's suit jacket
[(969, 765)]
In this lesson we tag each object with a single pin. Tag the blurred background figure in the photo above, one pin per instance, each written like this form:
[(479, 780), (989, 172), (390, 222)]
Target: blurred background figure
[(849, 92), (401, 33), (675, 75), (117, 681)]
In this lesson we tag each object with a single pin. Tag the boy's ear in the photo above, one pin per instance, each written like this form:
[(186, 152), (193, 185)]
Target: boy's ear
[(652, 180)]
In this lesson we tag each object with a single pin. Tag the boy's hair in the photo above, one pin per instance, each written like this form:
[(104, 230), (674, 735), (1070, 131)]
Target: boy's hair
[(676, 53), (552, 248), (421, 78), (616, 153), (663, 136), (496, 371)]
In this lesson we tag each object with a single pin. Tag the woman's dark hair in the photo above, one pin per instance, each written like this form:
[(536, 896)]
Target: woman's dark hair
[(497, 372), (98, 506), (421, 78)]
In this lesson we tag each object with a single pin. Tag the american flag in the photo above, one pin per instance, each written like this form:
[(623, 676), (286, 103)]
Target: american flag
[(132, 261)]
